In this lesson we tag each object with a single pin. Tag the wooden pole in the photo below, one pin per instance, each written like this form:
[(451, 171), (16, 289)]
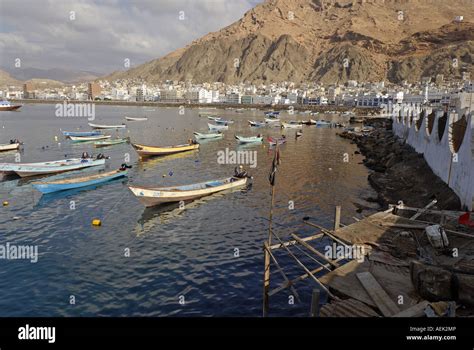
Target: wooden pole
[(266, 280), (315, 303), (337, 217)]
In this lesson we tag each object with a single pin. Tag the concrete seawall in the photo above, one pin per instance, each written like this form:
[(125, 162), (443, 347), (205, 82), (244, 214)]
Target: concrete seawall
[(446, 141)]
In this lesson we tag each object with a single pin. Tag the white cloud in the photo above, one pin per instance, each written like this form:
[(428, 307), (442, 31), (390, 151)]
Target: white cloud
[(104, 33)]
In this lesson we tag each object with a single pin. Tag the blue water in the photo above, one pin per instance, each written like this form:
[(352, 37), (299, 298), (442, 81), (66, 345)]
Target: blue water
[(209, 253)]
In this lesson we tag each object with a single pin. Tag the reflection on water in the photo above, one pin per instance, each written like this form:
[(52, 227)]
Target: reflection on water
[(173, 251)]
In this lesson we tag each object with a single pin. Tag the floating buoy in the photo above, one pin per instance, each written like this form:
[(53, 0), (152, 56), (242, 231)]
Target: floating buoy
[(5, 203), (96, 222)]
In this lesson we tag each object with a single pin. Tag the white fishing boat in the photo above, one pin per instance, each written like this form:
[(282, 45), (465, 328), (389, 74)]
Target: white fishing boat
[(89, 138), (256, 124), (136, 119), (291, 125), (7, 106), (272, 120), (9, 147), (200, 136), (44, 168), (251, 139), (151, 196), (217, 127), (101, 126)]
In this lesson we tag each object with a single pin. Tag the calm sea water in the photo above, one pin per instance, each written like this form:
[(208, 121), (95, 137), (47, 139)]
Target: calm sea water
[(209, 254)]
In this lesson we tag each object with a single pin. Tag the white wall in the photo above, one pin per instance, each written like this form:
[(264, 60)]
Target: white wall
[(455, 169)]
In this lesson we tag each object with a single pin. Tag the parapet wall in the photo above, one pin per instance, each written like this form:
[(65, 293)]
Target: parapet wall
[(446, 141)]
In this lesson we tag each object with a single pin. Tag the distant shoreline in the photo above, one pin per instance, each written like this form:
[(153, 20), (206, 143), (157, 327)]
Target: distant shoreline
[(356, 110)]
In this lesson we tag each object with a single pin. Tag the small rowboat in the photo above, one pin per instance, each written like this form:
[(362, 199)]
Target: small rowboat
[(89, 138), (250, 139), (271, 120), (217, 127), (158, 195), (322, 123), (81, 133), (200, 136), (9, 147), (110, 142), (272, 114), (214, 118), (149, 151), (273, 141), (76, 182), (135, 119), (9, 168), (291, 126), (223, 121), (31, 169), (256, 124), (99, 126)]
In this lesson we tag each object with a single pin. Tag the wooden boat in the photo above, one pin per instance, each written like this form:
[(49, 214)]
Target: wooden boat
[(158, 195), (136, 119), (322, 123), (81, 133), (200, 136), (9, 147), (291, 126), (272, 114), (256, 124), (26, 170), (149, 151), (89, 138), (250, 139), (9, 168), (7, 106), (212, 117), (77, 182), (273, 141), (217, 127), (110, 142), (100, 126)]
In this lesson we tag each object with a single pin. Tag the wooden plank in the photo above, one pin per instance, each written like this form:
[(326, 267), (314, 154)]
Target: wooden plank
[(337, 217), (422, 211), (378, 295), (417, 310), (293, 242), (314, 251), (315, 303)]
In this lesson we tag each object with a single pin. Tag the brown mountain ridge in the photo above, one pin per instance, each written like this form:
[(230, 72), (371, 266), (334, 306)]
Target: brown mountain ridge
[(327, 41)]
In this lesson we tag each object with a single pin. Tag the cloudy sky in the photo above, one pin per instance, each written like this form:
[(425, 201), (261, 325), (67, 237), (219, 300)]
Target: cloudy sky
[(98, 35)]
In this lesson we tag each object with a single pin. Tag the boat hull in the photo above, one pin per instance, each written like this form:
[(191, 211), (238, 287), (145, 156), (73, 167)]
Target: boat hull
[(69, 184), (27, 171), (200, 136), (109, 143), (89, 138), (154, 196), (98, 126), (217, 127), (9, 108), (248, 139), (9, 147), (150, 151), (131, 119), (81, 133)]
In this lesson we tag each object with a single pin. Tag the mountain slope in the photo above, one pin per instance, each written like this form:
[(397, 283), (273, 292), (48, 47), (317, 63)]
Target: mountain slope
[(326, 41)]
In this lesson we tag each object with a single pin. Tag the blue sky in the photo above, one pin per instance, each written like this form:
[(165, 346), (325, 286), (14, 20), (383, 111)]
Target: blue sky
[(98, 36)]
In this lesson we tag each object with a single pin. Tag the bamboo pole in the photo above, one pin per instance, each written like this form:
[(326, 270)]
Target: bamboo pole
[(327, 232), (266, 280), (314, 251), (293, 242), (337, 217)]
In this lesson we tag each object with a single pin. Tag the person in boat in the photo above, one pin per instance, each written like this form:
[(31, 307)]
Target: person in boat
[(240, 172)]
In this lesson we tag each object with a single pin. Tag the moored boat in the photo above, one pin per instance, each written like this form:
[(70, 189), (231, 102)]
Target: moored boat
[(77, 182), (223, 121), (273, 141), (291, 125), (256, 124), (213, 117), (217, 127), (33, 169), (7, 106), (9, 147), (272, 120), (81, 133), (250, 139), (322, 123), (136, 119), (198, 135), (151, 196), (89, 138), (149, 151), (106, 143), (101, 126)]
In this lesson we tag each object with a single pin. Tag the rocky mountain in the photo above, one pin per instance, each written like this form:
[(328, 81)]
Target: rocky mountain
[(329, 41)]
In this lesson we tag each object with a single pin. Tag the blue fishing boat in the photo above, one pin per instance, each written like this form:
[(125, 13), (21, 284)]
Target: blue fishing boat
[(77, 182), (81, 133)]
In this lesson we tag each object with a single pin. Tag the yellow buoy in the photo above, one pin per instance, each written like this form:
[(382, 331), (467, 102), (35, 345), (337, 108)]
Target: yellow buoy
[(5, 203), (96, 222)]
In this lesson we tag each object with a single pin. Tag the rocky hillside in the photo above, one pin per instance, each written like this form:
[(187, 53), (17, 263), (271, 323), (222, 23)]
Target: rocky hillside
[(329, 41)]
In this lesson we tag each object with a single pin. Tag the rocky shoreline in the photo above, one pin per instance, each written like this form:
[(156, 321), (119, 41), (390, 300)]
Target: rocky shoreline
[(398, 172)]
